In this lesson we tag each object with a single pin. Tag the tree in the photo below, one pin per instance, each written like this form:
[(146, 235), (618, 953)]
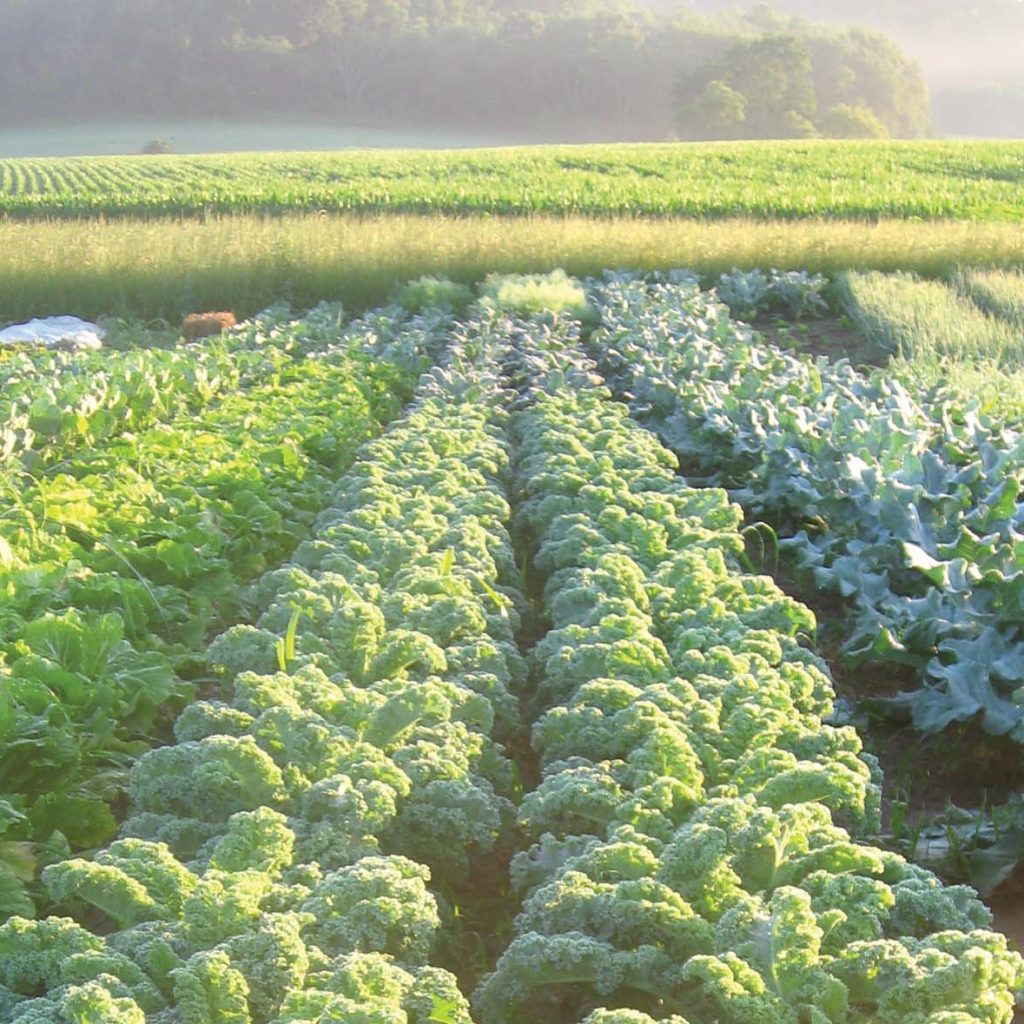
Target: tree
[(797, 126), (771, 75), (862, 68), (774, 74), (844, 121), (555, 69), (779, 82), (717, 112)]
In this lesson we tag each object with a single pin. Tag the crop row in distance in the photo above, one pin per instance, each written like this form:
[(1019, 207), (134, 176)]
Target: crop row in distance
[(966, 180)]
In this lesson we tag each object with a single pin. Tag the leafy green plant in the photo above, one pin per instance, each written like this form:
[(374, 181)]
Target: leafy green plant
[(695, 840), (431, 293), (686, 857), (253, 850), (904, 504), (123, 558), (794, 294), (534, 293)]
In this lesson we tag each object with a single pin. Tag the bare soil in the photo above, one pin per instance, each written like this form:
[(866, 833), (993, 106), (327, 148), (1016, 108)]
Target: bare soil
[(832, 337)]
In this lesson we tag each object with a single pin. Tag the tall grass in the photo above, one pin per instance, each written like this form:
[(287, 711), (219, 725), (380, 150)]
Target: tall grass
[(165, 268), (999, 292), (936, 334), (927, 320)]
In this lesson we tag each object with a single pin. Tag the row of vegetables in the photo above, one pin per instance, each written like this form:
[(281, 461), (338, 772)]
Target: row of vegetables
[(53, 403), (688, 859), (121, 561), (905, 504), (275, 864), (690, 833)]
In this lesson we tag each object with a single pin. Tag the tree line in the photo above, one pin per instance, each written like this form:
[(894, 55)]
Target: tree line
[(539, 68)]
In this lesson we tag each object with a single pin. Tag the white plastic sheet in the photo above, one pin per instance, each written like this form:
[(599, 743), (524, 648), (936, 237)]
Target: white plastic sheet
[(55, 332)]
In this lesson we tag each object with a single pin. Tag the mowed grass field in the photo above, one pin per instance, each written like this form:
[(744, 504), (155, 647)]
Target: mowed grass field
[(162, 236), (773, 180)]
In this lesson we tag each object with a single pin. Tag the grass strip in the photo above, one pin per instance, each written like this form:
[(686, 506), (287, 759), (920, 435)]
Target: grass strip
[(166, 268)]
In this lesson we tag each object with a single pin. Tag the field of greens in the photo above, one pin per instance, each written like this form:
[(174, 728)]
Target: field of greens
[(434, 666), (785, 180)]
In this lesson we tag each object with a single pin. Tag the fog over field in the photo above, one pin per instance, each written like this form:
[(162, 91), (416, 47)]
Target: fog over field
[(519, 71), (970, 53)]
